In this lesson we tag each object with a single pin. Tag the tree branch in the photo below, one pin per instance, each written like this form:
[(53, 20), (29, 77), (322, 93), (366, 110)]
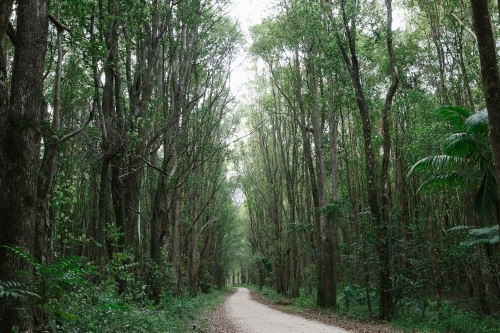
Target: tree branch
[(59, 25), (78, 131)]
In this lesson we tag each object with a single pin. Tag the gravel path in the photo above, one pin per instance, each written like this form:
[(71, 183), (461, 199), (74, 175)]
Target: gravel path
[(250, 316)]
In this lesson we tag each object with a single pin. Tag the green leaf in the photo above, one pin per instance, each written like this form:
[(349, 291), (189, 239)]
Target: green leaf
[(437, 162), (482, 235), (454, 114), (460, 227), (462, 144), (486, 197), (477, 123), (449, 179)]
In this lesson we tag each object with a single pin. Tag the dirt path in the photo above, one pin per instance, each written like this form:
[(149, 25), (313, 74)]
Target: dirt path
[(250, 316)]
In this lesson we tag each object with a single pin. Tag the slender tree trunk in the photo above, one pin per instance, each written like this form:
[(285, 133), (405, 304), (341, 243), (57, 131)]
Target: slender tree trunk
[(327, 254), (176, 243), (436, 274), (351, 61), (48, 166), (333, 124), (321, 296)]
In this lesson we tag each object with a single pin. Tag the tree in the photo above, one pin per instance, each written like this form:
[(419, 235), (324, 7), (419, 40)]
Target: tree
[(21, 106), (379, 202), (490, 76), (466, 161)]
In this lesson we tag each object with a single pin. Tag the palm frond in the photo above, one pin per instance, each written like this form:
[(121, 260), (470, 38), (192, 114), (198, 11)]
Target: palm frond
[(462, 144), (449, 179), (460, 227), (483, 235), (477, 123), (439, 162), (454, 114), (486, 199)]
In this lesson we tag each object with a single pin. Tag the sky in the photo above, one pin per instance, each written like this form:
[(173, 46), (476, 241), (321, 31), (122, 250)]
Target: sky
[(247, 13)]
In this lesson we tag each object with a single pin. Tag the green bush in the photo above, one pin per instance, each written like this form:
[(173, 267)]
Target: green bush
[(448, 319), (101, 309)]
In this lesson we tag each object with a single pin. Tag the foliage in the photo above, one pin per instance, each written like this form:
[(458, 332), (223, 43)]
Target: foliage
[(467, 159), (485, 235), (100, 309), (446, 319), (15, 290), (51, 279)]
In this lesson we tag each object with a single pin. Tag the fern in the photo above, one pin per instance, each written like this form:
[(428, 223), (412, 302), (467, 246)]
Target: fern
[(14, 289)]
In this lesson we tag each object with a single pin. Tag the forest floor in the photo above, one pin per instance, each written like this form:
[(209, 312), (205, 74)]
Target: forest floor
[(245, 311)]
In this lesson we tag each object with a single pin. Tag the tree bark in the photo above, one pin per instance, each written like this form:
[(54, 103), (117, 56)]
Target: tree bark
[(20, 135), (490, 77), (327, 254)]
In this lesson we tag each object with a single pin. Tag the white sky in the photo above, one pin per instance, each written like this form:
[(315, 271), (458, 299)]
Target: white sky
[(247, 13)]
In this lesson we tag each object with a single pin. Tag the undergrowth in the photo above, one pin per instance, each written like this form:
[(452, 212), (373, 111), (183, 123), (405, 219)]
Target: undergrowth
[(100, 309), (118, 301), (447, 319)]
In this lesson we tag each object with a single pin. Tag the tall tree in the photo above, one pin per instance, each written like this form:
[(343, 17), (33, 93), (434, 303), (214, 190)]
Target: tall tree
[(490, 77), (21, 106)]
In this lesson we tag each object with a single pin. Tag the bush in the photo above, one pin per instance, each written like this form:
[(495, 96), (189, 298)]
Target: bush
[(447, 319), (101, 309)]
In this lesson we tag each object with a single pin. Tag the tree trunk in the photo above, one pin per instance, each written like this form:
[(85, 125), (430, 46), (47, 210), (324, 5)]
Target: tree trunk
[(176, 243), (20, 135), (490, 77), (351, 61), (321, 297), (327, 254)]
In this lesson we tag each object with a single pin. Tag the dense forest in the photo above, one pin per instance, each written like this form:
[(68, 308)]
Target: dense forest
[(358, 170)]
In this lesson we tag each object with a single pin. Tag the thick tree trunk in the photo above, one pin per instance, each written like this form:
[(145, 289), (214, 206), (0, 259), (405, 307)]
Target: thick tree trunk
[(490, 76), (104, 218), (159, 221), (20, 135)]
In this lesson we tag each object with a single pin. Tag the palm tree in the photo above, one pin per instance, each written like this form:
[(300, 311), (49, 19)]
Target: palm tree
[(467, 160)]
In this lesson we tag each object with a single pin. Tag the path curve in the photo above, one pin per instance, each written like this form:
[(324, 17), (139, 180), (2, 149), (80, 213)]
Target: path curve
[(252, 317)]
